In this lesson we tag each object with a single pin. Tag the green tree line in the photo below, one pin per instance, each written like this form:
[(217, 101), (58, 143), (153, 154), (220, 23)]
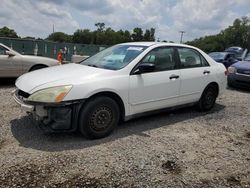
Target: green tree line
[(236, 35), (103, 35)]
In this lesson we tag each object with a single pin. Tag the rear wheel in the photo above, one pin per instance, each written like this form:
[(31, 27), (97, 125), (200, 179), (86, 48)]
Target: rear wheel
[(99, 117), (36, 67), (208, 98)]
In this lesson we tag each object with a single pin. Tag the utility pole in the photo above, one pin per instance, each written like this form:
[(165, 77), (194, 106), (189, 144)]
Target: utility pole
[(53, 28), (182, 32)]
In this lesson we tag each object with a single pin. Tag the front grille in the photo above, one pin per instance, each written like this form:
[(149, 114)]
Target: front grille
[(247, 72), (243, 82), (23, 94)]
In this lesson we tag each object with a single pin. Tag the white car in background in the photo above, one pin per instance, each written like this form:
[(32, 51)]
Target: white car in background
[(119, 83), (13, 64)]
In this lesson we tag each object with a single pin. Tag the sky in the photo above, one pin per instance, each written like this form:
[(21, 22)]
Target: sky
[(196, 17)]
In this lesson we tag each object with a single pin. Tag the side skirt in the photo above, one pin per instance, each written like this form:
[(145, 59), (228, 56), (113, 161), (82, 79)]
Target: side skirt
[(134, 116)]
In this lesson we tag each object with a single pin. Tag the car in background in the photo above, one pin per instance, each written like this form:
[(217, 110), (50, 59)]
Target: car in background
[(120, 83), (14, 64), (226, 58), (239, 74), (239, 52), (247, 58)]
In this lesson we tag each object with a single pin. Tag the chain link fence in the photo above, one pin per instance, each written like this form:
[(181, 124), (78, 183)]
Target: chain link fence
[(50, 49)]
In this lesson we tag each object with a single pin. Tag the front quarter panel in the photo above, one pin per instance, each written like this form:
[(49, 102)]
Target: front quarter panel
[(115, 84)]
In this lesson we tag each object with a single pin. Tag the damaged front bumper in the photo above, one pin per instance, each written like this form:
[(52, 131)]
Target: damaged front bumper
[(52, 117)]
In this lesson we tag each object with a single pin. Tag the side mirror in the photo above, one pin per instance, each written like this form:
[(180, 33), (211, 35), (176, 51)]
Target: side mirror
[(145, 67), (10, 53)]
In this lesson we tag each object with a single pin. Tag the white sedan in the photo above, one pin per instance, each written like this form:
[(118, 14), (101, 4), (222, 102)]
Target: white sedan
[(119, 83), (13, 64)]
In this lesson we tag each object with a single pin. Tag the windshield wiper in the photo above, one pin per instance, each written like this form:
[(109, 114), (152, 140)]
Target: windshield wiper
[(91, 65)]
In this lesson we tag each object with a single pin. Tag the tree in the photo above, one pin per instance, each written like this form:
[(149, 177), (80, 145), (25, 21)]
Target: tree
[(100, 27), (6, 32), (84, 36), (146, 36), (237, 34), (103, 36), (137, 34), (28, 37), (59, 37), (152, 34), (149, 35), (127, 36)]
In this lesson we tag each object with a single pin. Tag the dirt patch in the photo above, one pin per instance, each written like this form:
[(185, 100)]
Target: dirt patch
[(107, 181), (234, 180), (29, 175), (2, 143), (80, 181), (172, 167), (248, 135)]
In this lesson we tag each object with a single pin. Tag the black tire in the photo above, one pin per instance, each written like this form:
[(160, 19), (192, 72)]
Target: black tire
[(36, 67), (208, 98), (99, 117)]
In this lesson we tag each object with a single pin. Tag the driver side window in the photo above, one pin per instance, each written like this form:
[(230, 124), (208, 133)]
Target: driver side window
[(162, 58), (2, 50)]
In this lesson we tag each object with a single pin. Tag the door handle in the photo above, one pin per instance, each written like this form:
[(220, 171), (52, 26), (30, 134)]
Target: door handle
[(206, 72), (174, 76)]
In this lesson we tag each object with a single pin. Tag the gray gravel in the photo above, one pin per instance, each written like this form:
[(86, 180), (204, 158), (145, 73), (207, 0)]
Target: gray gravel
[(182, 148)]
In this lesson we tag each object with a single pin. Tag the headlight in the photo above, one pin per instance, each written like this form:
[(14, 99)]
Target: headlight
[(53, 94), (231, 70)]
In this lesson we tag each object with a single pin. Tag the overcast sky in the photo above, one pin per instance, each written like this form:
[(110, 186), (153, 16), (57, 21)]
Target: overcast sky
[(196, 17)]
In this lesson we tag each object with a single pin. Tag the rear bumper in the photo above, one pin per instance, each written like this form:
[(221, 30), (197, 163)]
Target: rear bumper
[(61, 117), (239, 80)]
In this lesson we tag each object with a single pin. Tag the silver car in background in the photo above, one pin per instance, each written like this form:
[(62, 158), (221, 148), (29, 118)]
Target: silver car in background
[(13, 64)]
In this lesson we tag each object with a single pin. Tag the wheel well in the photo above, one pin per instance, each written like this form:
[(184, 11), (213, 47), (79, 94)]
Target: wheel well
[(216, 86), (116, 98), (37, 65)]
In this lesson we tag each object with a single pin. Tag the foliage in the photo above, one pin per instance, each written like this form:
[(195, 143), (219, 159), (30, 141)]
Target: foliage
[(6, 32), (60, 37), (236, 35), (84, 36), (104, 35)]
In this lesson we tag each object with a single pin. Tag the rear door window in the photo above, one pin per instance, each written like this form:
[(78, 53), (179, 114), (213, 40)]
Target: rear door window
[(190, 58)]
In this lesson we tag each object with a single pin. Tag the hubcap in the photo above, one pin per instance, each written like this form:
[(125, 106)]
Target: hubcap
[(209, 98), (101, 118)]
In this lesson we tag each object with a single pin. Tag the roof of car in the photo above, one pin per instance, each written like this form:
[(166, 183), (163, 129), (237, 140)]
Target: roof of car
[(155, 43), (221, 53)]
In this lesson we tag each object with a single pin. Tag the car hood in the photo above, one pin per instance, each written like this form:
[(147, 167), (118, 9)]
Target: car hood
[(244, 65), (39, 59), (70, 74), (218, 59)]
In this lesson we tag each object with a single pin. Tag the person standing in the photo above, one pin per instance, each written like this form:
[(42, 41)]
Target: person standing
[(60, 56)]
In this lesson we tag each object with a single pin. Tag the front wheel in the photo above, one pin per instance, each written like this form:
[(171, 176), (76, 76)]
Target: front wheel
[(207, 99), (99, 117)]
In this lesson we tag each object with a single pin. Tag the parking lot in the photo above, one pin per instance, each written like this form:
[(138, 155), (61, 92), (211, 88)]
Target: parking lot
[(181, 148)]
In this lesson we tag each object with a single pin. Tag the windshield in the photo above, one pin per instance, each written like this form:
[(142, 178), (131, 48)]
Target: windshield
[(115, 57), (217, 55), (247, 57)]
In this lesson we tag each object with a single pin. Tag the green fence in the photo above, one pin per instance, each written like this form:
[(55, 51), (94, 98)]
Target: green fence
[(50, 49)]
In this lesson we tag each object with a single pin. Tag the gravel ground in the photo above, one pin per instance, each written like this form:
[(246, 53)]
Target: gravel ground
[(182, 148)]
